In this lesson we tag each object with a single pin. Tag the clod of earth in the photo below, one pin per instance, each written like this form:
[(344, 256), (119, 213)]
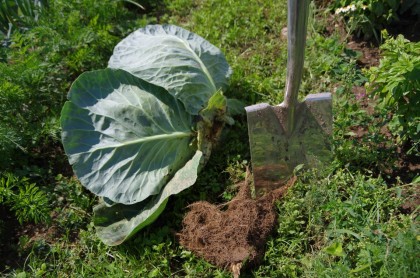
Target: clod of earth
[(228, 238)]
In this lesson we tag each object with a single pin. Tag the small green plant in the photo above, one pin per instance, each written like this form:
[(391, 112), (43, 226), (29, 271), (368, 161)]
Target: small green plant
[(396, 84), (25, 199)]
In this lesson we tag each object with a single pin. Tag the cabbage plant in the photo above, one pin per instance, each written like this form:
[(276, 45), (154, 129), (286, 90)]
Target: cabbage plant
[(140, 130)]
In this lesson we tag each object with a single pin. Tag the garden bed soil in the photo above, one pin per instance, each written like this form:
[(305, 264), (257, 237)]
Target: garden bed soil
[(231, 234)]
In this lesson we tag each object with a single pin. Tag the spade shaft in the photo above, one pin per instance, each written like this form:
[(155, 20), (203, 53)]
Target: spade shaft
[(292, 133), (297, 22)]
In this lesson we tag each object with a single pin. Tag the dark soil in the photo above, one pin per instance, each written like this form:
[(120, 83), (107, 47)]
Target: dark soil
[(8, 239), (228, 238), (13, 251), (369, 53), (412, 200), (408, 25)]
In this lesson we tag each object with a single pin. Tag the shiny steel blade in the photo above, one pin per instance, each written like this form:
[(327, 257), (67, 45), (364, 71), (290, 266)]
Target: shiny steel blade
[(275, 151)]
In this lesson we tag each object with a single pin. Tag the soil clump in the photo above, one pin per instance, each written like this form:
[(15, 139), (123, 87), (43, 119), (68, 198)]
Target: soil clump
[(231, 234)]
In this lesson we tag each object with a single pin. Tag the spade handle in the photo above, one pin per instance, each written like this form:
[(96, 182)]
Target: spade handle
[(297, 21)]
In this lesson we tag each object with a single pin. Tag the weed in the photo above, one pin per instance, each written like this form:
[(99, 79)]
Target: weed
[(395, 83), (25, 199), (342, 223)]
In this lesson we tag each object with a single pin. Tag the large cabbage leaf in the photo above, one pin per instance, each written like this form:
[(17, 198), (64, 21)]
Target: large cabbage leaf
[(124, 136), (188, 66), (117, 223)]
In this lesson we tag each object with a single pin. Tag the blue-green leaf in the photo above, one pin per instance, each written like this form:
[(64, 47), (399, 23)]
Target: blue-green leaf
[(116, 224), (124, 137), (188, 66)]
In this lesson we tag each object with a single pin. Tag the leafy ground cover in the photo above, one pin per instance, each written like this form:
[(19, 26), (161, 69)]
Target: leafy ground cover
[(357, 218)]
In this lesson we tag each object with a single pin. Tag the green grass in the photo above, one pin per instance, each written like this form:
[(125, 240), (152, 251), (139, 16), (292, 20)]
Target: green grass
[(344, 222)]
